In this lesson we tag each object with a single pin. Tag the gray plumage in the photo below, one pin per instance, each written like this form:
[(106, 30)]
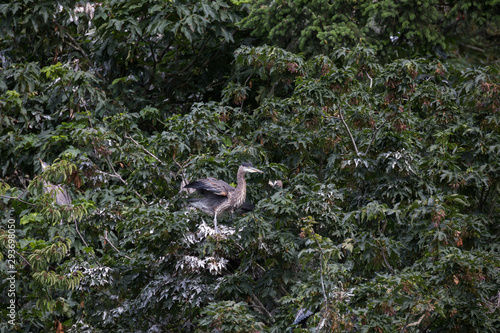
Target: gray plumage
[(301, 317), (58, 193), (219, 196)]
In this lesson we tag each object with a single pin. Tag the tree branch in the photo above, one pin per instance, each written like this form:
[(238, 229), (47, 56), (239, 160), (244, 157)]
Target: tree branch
[(261, 306), (86, 111), (413, 324), (375, 135), (75, 45), (321, 269), (349, 132), (114, 247), (20, 255), (117, 175), (17, 198), (371, 80), (81, 237), (167, 47), (386, 262), (473, 47), (147, 151)]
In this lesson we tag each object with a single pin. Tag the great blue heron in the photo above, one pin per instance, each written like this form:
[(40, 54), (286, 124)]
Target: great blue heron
[(57, 192), (219, 196)]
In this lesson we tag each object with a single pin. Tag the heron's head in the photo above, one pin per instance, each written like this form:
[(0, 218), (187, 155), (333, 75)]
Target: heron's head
[(44, 165), (248, 167)]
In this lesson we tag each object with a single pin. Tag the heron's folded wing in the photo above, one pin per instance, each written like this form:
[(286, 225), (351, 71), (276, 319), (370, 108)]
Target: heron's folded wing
[(213, 185), (58, 193), (62, 197)]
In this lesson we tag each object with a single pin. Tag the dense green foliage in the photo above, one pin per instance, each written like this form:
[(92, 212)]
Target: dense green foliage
[(417, 27), (388, 151)]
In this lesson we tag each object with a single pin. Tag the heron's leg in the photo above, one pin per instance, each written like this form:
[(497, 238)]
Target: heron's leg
[(215, 223)]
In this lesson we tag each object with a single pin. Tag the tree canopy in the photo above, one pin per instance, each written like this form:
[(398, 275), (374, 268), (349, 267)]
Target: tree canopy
[(379, 120)]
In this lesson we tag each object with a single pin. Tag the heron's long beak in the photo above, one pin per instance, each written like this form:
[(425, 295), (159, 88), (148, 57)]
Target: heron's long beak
[(252, 169)]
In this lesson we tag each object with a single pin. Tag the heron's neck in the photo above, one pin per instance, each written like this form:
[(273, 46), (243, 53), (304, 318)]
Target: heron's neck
[(241, 188), (241, 183)]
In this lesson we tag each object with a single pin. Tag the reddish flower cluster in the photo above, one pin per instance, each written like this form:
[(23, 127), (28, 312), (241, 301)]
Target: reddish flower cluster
[(292, 67), (437, 217)]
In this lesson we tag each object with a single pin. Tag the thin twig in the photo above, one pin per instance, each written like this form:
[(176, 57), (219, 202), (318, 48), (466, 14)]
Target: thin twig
[(147, 151), (386, 262), (259, 266), (81, 237), (74, 44), (321, 271), (117, 175), (413, 324), (375, 135), (349, 132), (185, 180), (114, 247), (142, 199), (19, 254), (165, 49), (84, 242), (473, 47), (282, 289), (261, 306), (87, 111), (181, 166), (322, 282), (322, 322), (371, 81), (150, 154), (17, 198)]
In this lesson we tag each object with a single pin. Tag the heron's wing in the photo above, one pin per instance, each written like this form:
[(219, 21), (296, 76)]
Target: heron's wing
[(57, 192), (212, 186), (62, 197), (302, 316)]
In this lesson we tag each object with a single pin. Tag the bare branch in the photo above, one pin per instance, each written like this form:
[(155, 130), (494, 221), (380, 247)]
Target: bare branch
[(386, 262), (17, 198), (86, 111), (81, 237), (68, 39), (321, 269), (261, 306), (413, 324), (20, 255), (114, 247), (472, 47), (371, 80), (348, 131), (84, 242), (147, 151), (117, 175), (375, 135)]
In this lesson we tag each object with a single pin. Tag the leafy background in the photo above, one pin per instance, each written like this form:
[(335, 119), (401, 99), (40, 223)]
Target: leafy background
[(381, 119)]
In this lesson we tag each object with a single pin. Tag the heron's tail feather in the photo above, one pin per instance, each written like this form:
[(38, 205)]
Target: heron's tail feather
[(247, 207), (202, 205)]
